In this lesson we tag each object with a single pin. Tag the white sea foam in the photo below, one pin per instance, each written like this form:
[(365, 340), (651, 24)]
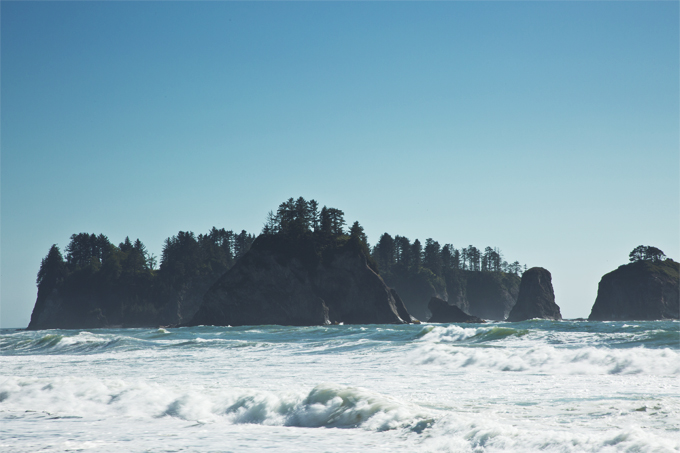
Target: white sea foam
[(545, 358), (537, 386), (326, 405)]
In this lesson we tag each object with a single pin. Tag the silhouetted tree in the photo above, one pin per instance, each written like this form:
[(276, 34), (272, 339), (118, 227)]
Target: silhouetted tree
[(432, 257), (646, 252), (383, 252), (52, 271), (358, 231), (416, 254)]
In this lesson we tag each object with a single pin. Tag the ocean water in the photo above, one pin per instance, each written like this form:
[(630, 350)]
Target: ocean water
[(499, 387)]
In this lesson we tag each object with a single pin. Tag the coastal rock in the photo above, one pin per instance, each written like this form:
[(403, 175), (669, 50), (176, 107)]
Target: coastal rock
[(443, 312), (487, 295), (286, 283), (643, 290), (536, 297)]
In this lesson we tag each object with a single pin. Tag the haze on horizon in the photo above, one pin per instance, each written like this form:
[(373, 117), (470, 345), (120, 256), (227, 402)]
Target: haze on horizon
[(547, 129)]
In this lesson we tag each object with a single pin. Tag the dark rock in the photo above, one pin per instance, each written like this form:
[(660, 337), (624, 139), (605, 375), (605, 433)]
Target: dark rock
[(536, 297), (288, 284), (643, 290), (401, 308), (443, 312), (416, 289), (487, 295)]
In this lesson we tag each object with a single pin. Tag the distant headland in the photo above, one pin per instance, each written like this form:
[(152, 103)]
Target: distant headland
[(306, 267)]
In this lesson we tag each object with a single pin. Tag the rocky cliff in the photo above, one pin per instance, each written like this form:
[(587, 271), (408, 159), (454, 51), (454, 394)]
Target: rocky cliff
[(487, 295), (643, 290), (443, 312), (294, 282), (536, 297)]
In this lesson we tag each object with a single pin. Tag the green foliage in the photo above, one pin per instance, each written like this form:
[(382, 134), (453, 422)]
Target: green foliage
[(646, 253), (119, 284), (52, 272)]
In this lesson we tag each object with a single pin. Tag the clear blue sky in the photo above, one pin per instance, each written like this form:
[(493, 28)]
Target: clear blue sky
[(548, 129)]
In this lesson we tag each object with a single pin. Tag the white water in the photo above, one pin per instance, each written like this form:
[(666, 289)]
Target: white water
[(536, 386)]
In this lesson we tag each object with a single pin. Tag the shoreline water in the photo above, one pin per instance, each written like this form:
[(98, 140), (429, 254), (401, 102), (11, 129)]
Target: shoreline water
[(536, 385)]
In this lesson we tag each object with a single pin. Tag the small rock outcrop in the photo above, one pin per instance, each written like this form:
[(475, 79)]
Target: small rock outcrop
[(286, 282), (443, 312), (642, 290), (536, 297)]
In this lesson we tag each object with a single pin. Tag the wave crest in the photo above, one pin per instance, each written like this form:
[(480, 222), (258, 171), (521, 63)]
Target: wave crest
[(326, 405)]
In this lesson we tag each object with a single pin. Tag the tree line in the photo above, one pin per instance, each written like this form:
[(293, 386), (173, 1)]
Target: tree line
[(299, 216), (129, 281), (125, 280), (390, 252)]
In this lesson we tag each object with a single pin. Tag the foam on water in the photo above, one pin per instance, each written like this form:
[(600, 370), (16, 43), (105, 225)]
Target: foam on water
[(516, 387), (546, 351), (326, 405)]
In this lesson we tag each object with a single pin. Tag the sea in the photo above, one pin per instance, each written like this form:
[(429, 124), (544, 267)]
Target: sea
[(534, 386)]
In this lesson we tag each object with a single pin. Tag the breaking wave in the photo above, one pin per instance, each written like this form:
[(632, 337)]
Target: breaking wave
[(326, 405)]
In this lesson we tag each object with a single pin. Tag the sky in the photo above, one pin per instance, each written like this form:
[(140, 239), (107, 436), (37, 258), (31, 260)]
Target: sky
[(547, 129)]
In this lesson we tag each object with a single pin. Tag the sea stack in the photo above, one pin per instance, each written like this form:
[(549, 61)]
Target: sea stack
[(288, 282), (443, 312), (642, 290), (536, 297)]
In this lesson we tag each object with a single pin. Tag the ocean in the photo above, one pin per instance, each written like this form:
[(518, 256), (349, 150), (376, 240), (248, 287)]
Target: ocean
[(567, 386)]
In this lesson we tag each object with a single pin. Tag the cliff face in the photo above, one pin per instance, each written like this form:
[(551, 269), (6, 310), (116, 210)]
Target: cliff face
[(486, 295), (536, 297), (85, 302), (416, 289), (275, 283), (644, 290)]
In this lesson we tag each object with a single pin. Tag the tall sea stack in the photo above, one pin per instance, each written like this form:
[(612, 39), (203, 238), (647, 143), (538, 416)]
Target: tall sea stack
[(536, 297)]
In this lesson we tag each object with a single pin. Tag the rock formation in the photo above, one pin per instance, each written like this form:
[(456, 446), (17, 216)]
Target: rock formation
[(443, 312), (487, 295), (290, 283), (536, 297), (643, 290)]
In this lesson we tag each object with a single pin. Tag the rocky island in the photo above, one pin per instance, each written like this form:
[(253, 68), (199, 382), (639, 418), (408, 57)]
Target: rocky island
[(305, 268), (645, 289), (536, 297)]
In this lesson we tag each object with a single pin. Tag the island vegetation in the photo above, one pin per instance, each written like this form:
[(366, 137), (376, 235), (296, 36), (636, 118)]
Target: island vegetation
[(97, 283), (647, 288)]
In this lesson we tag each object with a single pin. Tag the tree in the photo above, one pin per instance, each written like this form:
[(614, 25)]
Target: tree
[(638, 254), (474, 257), (52, 271), (447, 256), (303, 218), (402, 251), (337, 219), (646, 253), (242, 243), (456, 259), (358, 231), (271, 225), (151, 261), (432, 257), (384, 252), (416, 254), (313, 208)]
